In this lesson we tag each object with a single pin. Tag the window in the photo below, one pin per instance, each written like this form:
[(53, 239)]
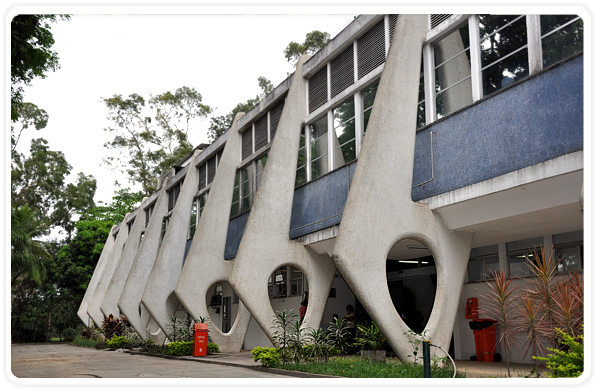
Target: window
[(165, 225), (261, 130), (129, 225), (211, 169), (301, 166), (173, 195), (452, 69), (260, 167), (504, 57), (235, 200), (570, 257), (149, 211), (284, 277), (202, 177), (246, 188), (562, 36), (319, 148), (247, 143), (368, 100), (193, 220), (481, 268), (343, 126)]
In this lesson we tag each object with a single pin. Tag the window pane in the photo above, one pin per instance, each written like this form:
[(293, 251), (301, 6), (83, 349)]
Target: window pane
[(491, 265), (501, 36), (260, 167), (518, 268), (193, 216), (301, 166), (562, 43), (319, 146), (569, 259), (344, 151), (368, 100), (246, 188), (475, 270), (453, 99), (235, 199)]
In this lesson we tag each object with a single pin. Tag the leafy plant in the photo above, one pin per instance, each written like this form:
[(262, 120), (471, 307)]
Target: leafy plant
[(370, 337), (318, 350), (212, 348), (283, 330), (567, 361), (416, 341), (268, 357), (116, 342), (181, 348), (338, 335), (112, 326)]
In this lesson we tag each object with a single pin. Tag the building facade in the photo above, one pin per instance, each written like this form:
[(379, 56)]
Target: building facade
[(392, 171)]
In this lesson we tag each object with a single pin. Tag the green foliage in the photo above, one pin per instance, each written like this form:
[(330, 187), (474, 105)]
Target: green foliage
[(82, 341), (370, 337), (31, 53), (116, 342), (354, 367), (416, 341), (28, 115), (212, 348), (338, 335), (149, 142), (27, 254), (268, 357), (114, 327), (181, 327), (183, 348), (283, 324), (313, 42), (221, 124), (568, 360)]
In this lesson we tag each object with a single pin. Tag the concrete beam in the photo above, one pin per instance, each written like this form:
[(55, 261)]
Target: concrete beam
[(380, 208), (265, 245), (205, 265)]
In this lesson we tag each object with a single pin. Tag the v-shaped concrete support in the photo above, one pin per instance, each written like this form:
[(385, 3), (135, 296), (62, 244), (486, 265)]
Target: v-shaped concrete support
[(158, 297), (94, 309), (205, 265), (82, 312), (265, 245), (379, 210), (139, 273)]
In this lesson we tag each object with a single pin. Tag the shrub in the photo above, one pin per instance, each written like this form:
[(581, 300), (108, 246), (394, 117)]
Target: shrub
[(211, 348), (87, 333), (568, 361), (268, 357), (117, 342), (112, 326), (370, 337), (181, 348)]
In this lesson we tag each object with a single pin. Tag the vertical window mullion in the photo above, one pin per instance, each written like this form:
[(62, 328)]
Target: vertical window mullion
[(534, 43), (307, 151), (429, 78), (328, 81), (330, 140), (475, 48), (386, 30), (355, 64), (358, 121), (269, 126)]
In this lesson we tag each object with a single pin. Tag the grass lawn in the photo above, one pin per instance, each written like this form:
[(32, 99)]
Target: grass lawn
[(357, 367)]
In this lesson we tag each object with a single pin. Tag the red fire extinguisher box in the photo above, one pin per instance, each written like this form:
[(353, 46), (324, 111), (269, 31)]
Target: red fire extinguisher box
[(200, 339)]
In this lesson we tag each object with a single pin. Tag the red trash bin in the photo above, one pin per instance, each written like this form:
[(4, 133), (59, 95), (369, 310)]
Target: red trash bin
[(200, 339), (484, 331)]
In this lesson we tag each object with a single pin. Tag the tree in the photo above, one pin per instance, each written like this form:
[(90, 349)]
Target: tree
[(28, 115), (31, 54), (315, 40), (152, 148), (26, 253), (39, 181), (221, 124)]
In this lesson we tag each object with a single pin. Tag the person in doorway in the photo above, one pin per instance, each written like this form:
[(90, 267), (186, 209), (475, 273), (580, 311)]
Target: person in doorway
[(303, 306), (349, 319)]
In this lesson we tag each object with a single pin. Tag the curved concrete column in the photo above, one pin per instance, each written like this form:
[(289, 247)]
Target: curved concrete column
[(113, 293), (139, 273), (94, 309), (158, 297), (379, 210), (82, 312), (205, 265), (265, 245)]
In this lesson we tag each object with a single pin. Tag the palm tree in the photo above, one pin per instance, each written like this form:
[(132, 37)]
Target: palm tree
[(27, 254)]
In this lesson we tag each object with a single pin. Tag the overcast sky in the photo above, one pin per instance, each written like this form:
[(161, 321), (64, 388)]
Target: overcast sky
[(221, 56)]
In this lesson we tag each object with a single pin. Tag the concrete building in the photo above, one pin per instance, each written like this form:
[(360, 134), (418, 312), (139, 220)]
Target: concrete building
[(391, 171)]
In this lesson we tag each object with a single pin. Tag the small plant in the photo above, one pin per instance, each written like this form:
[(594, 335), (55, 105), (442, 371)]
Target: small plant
[(212, 348), (567, 361), (87, 333), (318, 350), (268, 357), (370, 337), (112, 326), (117, 342), (283, 330), (182, 348), (338, 335), (416, 341), (297, 341)]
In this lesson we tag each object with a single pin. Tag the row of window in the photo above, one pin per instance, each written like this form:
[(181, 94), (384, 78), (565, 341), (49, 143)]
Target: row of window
[(486, 260), (286, 281)]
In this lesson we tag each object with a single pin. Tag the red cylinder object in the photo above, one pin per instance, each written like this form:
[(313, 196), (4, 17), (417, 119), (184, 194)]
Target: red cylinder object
[(200, 339), (485, 343)]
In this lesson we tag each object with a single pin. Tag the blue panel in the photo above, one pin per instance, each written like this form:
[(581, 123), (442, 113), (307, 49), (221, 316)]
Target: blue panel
[(320, 203), (234, 235), (532, 122), (187, 249)]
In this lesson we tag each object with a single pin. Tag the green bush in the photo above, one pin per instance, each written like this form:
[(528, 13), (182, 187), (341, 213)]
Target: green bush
[(268, 357), (81, 341), (211, 348), (181, 348), (567, 361), (117, 342)]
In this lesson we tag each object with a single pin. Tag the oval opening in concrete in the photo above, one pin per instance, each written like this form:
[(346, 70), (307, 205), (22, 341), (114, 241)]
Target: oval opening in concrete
[(287, 287), (412, 281), (222, 304)]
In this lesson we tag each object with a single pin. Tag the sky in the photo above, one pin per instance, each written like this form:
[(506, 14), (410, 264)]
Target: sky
[(101, 55)]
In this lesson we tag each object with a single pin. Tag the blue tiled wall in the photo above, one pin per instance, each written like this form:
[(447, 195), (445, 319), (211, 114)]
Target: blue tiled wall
[(532, 122)]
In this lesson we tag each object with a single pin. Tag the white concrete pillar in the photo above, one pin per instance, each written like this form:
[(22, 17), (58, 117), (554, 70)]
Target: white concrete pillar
[(265, 245), (158, 297), (379, 205), (82, 312), (205, 264)]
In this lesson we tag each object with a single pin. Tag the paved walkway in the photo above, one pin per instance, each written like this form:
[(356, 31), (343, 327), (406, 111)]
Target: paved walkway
[(67, 361)]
